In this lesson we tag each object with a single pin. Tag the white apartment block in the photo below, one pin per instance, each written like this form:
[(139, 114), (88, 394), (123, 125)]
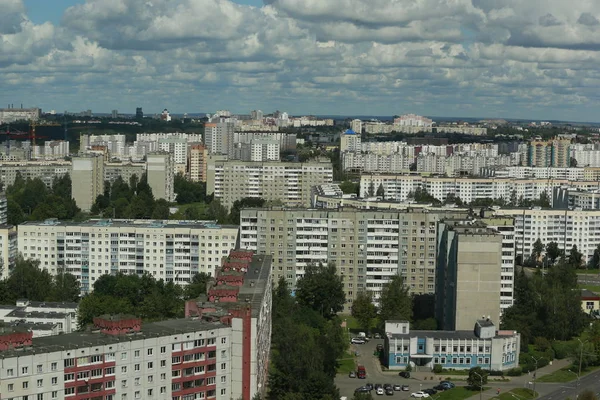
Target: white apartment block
[(166, 250), (11, 114), (44, 170), (177, 147), (156, 137), (289, 183), (523, 172), (51, 150), (413, 120), (398, 187), (367, 247), (565, 227), (286, 141), (356, 126), (350, 141), (377, 127), (371, 162), (87, 175), (219, 137), (124, 170), (258, 150), (115, 144), (3, 209), (8, 249)]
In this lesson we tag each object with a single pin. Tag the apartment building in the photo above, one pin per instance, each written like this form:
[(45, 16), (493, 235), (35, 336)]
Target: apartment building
[(44, 170), (219, 351), (124, 170), (87, 176), (8, 249), (41, 318), (3, 209), (197, 160), (368, 247), (468, 274), (219, 137), (257, 150), (350, 141), (552, 153), (356, 126), (160, 174), (115, 144), (166, 250), (565, 227), (398, 187), (289, 183), (286, 141), (522, 172)]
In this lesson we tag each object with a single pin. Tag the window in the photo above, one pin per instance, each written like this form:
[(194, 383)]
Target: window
[(54, 381), (150, 365), (149, 392), (25, 385), (223, 340), (149, 352), (124, 369), (53, 366), (24, 370), (69, 391), (11, 387), (123, 356), (39, 369), (40, 383), (137, 367), (223, 379), (223, 366), (163, 363), (69, 362), (137, 394), (55, 395), (40, 396), (223, 391), (163, 350), (137, 381), (136, 354)]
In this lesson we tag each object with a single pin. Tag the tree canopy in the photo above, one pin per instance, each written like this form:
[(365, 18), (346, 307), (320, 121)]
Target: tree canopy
[(321, 289), (364, 310), (395, 302), (133, 199)]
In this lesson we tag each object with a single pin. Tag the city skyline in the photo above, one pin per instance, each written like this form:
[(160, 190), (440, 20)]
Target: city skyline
[(507, 59)]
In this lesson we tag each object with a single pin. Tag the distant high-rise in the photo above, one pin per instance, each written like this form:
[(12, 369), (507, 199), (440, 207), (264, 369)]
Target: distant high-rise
[(356, 125), (115, 114), (87, 175), (219, 137), (197, 157), (139, 114), (160, 175)]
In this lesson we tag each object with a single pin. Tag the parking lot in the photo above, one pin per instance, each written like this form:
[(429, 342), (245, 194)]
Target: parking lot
[(347, 385)]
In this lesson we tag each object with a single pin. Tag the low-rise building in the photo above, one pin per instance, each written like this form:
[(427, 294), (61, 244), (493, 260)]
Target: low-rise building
[(590, 302), (482, 346), (43, 318)]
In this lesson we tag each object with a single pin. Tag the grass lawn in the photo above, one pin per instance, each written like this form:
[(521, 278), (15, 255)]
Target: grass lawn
[(181, 209), (588, 272), (346, 365), (590, 287), (354, 327), (563, 375), (520, 393), (458, 393)]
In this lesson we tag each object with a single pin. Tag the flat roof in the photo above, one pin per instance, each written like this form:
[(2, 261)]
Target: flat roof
[(20, 313), (132, 223), (76, 340), (439, 335)]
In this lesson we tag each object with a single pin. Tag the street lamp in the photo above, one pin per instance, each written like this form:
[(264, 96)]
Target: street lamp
[(577, 375), (535, 372), (580, 361), (480, 384)]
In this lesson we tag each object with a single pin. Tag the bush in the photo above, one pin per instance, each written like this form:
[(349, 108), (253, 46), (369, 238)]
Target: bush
[(437, 368), (518, 371), (542, 344), (561, 349), (408, 368), (496, 373)]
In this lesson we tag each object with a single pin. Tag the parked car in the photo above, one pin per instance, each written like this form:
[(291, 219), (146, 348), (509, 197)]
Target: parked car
[(387, 386), (377, 336), (352, 374), (378, 385), (405, 388), (379, 347), (369, 385), (419, 395), (447, 383), (389, 392), (404, 374), (362, 389), (357, 341), (397, 387), (441, 388), (380, 391), (430, 392)]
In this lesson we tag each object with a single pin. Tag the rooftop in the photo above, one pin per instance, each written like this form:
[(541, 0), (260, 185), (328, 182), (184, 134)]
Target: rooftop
[(76, 340), (588, 294), (439, 335), (132, 223)]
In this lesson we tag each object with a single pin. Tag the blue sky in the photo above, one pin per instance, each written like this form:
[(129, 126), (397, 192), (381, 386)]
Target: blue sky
[(534, 59)]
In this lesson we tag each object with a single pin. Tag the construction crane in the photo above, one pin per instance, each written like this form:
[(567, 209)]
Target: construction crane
[(9, 134), (34, 124)]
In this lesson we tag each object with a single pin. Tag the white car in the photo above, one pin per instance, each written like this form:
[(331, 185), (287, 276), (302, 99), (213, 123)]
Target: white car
[(357, 341), (380, 391), (419, 394)]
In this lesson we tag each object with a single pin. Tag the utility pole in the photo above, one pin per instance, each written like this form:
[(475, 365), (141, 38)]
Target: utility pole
[(580, 361), (535, 372)]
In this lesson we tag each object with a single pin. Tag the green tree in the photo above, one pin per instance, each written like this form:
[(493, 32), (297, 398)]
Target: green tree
[(217, 212), (161, 210), (187, 191), (246, 202), (321, 289), (95, 305), (553, 252), (362, 396), (349, 187), (363, 309), (575, 257), (395, 302), (381, 191), (15, 214), (28, 281), (478, 378), (371, 191), (536, 252), (65, 287), (595, 260), (197, 285)]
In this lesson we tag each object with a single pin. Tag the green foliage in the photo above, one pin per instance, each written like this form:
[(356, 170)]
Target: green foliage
[(305, 347), (188, 191), (546, 306), (380, 191), (437, 369), (595, 261), (363, 309), (587, 395), (362, 396), (349, 187), (197, 286), (395, 302), (553, 252), (246, 202), (429, 324), (478, 378), (28, 281), (575, 257), (421, 195), (514, 372), (31, 200), (131, 294), (321, 289)]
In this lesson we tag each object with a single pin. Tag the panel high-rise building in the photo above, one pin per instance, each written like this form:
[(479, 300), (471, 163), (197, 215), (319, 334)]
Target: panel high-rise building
[(197, 159), (161, 177), (87, 176), (219, 137)]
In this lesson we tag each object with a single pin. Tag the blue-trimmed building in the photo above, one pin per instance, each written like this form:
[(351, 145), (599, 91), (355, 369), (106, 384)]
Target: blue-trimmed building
[(483, 347)]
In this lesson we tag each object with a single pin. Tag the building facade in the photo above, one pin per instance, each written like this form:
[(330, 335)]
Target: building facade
[(87, 176), (367, 247), (8, 249), (88, 250), (197, 161), (468, 274), (482, 346), (161, 175), (289, 183), (44, 170), (42, 318)]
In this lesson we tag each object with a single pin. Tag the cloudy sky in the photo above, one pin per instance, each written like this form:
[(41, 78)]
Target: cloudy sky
[(536, 59)]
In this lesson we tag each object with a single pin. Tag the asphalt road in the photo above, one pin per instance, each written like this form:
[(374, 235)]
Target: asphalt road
[(347, 385), (588, 279), (570, 390)]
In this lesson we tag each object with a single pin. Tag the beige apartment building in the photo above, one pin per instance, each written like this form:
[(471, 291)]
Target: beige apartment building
[(161, 176), (8, 249), (87, 175), (368, 247), (289, 183), (468, 281), (44, 170), (197, 159)]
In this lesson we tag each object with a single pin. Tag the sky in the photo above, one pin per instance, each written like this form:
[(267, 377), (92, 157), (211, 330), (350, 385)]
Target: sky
[(527, 59)]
